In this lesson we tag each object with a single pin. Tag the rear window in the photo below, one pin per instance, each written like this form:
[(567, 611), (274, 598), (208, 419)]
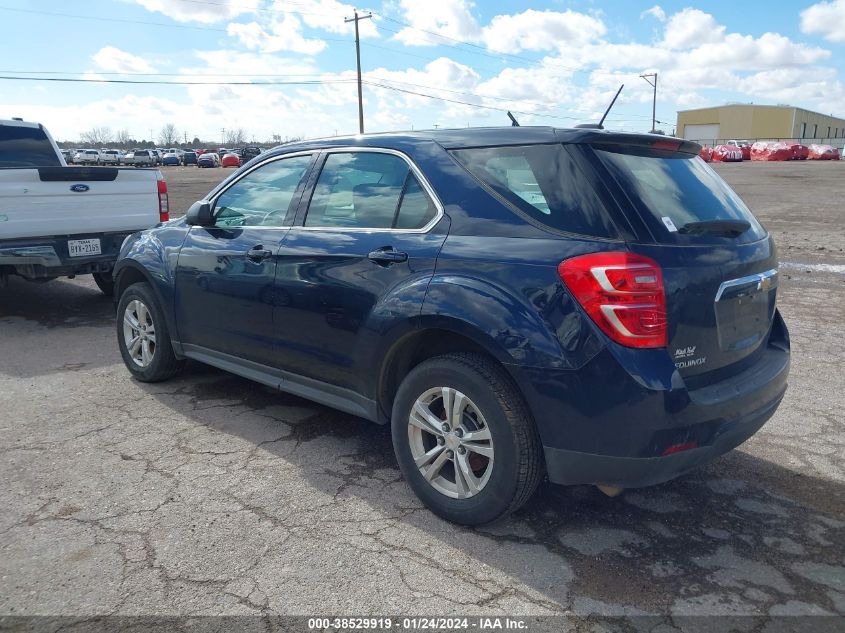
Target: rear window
[(26, 147), (677, 190), (542, 182)]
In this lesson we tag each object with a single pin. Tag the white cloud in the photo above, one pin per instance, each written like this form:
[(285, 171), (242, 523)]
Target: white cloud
[(329, 15), (541, 30), (690, 28), (111, 59), (193, 11), (825, 18), (284, 35), (656, 12), (450, 18)]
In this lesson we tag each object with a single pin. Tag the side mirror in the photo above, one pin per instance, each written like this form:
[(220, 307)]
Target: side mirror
[(200, 214)]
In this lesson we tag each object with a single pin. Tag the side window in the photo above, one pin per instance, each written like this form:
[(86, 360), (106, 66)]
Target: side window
[(417, 208), (368, 190), (262, 197)]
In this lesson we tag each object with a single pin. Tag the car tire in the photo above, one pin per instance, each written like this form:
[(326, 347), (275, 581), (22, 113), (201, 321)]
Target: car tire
[(495, 441), (138, 306), (104, 282)]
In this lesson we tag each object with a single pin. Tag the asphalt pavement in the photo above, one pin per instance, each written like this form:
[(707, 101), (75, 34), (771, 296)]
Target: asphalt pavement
[(209, 494)]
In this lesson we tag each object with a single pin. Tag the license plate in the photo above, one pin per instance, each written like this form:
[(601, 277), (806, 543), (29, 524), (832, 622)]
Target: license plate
[(83, 248)]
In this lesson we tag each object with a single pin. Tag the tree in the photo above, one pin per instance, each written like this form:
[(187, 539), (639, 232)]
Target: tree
[(168, 136), (122, 138), (196, 142), (97, 136), (235, 137)]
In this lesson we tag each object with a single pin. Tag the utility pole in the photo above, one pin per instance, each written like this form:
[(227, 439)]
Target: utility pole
[(357, 19), (222, 136), (648, 77)]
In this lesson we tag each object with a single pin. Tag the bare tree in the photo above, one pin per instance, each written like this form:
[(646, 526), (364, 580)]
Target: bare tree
[(97, 136), (169, 135), (122, 138), (235, 137)]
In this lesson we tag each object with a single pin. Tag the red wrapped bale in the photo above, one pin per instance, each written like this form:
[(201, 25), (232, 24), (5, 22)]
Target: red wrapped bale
[(706, 153), (770, 150), (727, 154), (746, 152), (799, 152), (823, 152)]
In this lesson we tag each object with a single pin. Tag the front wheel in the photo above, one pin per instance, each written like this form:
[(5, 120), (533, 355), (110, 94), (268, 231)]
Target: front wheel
[(143, 336), (464, 439)]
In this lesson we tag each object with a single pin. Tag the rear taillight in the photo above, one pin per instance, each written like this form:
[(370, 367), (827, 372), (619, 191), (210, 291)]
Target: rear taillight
[(623, 293), (163, 206)]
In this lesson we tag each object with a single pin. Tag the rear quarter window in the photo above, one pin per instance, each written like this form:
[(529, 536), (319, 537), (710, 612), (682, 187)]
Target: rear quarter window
[(543, 183), (22, 146)]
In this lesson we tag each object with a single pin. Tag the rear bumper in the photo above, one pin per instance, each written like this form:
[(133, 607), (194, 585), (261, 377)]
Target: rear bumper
[(42, 257), (572, 467), (628, 418)]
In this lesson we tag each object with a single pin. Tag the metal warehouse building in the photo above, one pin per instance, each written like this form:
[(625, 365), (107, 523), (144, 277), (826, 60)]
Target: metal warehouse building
[(749, 121)]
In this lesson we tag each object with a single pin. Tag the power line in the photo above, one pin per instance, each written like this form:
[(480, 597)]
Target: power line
[(147, 23), (314, 82), (466, 103)]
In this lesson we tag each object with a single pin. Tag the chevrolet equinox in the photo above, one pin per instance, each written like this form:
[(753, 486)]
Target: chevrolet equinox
[(589, 306)]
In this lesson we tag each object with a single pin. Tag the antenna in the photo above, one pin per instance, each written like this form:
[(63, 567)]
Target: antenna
[(606, 112), (514, 122)]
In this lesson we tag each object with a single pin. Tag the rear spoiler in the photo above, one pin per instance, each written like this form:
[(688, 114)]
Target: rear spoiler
[(71, 174), (640, 141)]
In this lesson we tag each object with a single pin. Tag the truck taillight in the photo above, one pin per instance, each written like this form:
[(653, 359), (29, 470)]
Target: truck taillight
[(622, 293), (163, 206)]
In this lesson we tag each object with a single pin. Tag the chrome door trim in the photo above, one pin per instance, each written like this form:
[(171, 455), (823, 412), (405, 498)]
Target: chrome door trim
[(414, 169)]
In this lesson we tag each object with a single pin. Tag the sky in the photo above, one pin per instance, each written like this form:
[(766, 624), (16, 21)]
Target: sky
[(287, 68)]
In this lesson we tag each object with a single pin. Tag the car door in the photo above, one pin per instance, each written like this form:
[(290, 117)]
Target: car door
[(357, 258), (225, 272)]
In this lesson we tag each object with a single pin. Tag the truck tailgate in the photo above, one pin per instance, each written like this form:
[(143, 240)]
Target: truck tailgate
[(75, 200)]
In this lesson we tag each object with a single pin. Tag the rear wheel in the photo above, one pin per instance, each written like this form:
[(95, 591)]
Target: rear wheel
[(464, 439), (105, 283), (143, 336)]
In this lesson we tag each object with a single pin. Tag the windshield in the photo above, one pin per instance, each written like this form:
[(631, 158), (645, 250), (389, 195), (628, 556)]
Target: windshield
[(679, 190), (22, 146)]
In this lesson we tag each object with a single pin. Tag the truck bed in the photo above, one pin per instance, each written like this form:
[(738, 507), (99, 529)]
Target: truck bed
[(76, 200)]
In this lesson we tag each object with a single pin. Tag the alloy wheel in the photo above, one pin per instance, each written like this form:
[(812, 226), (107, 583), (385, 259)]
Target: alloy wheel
[(450, 442), (139, 334)]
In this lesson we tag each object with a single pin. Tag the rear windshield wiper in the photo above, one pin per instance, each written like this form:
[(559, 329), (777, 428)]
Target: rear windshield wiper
[(728, 228)]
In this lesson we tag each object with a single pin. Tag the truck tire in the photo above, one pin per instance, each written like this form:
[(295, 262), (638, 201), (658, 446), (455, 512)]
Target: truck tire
[(465, 440), (104, 282), (143, 337)]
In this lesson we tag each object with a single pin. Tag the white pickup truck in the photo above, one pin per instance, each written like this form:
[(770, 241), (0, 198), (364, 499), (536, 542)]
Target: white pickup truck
[(59, 221)]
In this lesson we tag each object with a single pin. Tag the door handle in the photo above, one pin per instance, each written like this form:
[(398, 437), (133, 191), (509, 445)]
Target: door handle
[(386, 256), (258, 254)]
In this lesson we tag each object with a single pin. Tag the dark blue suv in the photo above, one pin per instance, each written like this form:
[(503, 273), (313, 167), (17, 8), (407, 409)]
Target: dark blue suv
[(591, 306)]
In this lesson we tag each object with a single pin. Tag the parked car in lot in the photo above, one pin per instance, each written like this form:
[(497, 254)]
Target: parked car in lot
[(89, 157), (208, 159), (230, 160), (171, 158), (248, 153), (189, 158), (140, 158), (593, 306), (111, 157), (65, 221), (68, 157)]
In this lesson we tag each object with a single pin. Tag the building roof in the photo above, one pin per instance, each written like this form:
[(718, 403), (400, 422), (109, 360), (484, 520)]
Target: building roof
[(758, 105)]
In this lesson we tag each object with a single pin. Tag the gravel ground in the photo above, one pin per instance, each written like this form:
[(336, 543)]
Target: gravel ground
[(212, 495)]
